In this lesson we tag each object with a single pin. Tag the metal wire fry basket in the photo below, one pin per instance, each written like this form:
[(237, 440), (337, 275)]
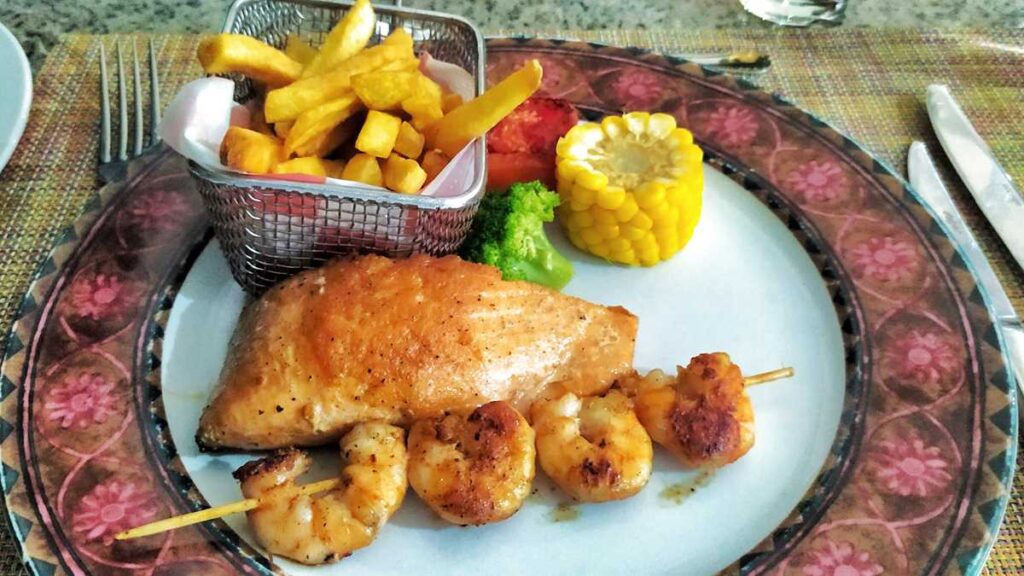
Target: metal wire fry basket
[(271, 229)]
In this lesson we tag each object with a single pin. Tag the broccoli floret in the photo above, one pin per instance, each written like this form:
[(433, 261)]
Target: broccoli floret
[(508, 233)]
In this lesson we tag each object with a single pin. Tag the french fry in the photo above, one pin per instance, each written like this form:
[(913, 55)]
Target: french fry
[(227, 53), (335, 168), (425, 87), (363, 168), (399, 37), (378, 135), (471, 120), (281, 129), (308, 135), (424, 105), (286, 103), (425, 111), (409, 142), (299, 50), (341, 134), (450, 101), (384, 90), (249, 151), (304, 165), (433, 162), (403, 175), (345, 40)]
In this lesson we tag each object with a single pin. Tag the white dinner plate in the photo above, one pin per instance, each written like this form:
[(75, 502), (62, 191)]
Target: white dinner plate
[(15, 96)]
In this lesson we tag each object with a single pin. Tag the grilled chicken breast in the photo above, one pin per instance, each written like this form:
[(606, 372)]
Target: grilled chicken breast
[(400, 340)]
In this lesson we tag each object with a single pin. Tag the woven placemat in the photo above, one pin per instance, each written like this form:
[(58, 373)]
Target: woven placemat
[(867, 83)]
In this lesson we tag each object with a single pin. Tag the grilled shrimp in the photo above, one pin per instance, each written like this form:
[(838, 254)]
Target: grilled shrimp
[(703, 416), (323, 528), (473, 469), (595, 449)]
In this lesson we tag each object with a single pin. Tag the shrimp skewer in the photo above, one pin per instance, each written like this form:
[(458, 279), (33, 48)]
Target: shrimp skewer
[(473, 469), (291, 523), (593, 448), (703, 415)]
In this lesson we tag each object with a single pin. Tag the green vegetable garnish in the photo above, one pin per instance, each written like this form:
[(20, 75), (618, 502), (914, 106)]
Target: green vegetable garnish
[(508, 233)]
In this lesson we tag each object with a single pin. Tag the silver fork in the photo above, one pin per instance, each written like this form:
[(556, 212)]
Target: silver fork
[(112, 169)]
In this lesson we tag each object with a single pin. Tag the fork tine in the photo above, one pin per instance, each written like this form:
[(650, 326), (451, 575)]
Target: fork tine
[(104, 109), (154, 96), (122, 102), (138, 100)]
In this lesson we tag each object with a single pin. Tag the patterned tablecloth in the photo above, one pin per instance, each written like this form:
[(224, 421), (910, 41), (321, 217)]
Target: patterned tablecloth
[(868, 83)]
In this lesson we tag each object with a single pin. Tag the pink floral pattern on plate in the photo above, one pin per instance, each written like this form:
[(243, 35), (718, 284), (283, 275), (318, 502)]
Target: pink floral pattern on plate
[(909, 467), (884, 258), (92, 295), (841, 559), (81, 401), (819, 182), (733, 126), (112, 507)]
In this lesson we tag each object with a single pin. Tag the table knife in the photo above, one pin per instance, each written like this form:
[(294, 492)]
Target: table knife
[(924, 179), (987, 181)]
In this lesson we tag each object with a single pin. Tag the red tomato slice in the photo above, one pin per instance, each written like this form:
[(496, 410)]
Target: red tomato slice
[(503, 170)]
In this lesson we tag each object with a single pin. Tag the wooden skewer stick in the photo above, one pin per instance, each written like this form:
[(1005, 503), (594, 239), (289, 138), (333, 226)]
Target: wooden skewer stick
[(763, 377), (213, 513)]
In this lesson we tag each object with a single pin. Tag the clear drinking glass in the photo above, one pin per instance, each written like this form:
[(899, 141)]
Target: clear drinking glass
[(797, 12)]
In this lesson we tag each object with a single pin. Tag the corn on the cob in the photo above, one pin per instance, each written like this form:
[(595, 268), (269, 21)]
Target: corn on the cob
[(631, 187)]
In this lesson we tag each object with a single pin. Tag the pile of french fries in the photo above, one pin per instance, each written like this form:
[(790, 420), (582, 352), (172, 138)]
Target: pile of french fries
[(354, 112)]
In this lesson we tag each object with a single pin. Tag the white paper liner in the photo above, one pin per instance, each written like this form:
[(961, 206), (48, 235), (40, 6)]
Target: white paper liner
[(199, 115)]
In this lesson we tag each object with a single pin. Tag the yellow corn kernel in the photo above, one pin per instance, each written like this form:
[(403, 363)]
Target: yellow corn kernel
[(681, 137), (583, 196), (614, 126), (591, 236), (363, 168), (602, 216), (642, 221), (577, 240), (628, 209), (607, 231), (661, 125), (611, 197), (600, 250), (591, 179), (378, 135), (311, 165), (650, 195), (668, 247), (581, 219), (566, 172), (409, 142), (403, 175), (632, 233)]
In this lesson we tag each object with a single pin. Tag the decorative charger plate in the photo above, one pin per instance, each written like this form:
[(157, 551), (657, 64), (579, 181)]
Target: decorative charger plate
[(891, 451)]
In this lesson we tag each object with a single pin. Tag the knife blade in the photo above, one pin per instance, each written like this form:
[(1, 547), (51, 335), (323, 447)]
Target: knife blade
[(925, 181), (988, 182)]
